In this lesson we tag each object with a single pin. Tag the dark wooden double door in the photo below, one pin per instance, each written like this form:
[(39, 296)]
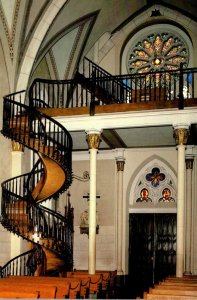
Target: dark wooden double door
[(152, 250)]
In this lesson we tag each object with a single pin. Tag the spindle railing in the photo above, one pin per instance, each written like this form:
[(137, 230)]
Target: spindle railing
[(94, 86), (21, 209)]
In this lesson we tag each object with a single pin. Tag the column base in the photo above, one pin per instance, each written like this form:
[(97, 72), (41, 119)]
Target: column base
[(120, 273), (187, 273)]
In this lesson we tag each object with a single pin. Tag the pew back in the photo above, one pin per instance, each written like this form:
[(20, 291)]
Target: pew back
[(70, 288), (46, 291), (19, 295)]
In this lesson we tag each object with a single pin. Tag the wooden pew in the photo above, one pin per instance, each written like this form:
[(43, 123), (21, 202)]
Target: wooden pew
[(181, 279), (19, 295), (112, 275), (66, 287), (175, 287), (185, 277), (46, 291), (166, 291), (106, 280), (169, 297), (184, 283), (95, 281)]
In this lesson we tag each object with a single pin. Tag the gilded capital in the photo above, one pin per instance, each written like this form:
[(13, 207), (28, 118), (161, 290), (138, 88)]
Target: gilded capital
[(181, 135), (17, 146), (189, 163), (93, 140)]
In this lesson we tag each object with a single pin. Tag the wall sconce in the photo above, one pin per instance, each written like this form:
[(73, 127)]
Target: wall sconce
[(84, 219)]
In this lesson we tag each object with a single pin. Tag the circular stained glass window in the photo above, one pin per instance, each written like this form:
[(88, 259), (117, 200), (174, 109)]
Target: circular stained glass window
[(161, 51)]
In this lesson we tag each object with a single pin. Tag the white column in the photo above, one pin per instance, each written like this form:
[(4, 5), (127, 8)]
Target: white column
[(188, 230), (93, 140), (180, 134), (120, 161), (17, 160)]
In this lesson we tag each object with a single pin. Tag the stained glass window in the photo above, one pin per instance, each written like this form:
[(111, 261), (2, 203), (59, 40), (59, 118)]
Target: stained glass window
[(160, 51), (155, 185)]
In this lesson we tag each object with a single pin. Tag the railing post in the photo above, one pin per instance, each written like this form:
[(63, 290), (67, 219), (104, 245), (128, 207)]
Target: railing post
[(181, 99)]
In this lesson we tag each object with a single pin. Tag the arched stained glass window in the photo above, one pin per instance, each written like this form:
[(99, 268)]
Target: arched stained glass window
[(160, 51), (155, 185)]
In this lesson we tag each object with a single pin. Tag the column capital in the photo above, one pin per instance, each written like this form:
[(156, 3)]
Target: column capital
[(181, 134), (120, 161), (17, 146), (93, 139), (189, 162)]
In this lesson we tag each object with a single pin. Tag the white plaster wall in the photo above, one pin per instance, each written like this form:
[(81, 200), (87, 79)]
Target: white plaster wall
[(105, 239)]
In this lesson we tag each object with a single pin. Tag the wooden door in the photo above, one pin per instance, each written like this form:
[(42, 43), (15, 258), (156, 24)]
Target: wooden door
[(152, 250)]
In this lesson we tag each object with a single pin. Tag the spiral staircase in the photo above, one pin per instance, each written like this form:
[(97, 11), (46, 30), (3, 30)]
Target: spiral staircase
[(22, 210)]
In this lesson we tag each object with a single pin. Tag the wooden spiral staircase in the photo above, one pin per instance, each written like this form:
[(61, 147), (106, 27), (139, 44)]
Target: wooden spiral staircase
[(22, 209)]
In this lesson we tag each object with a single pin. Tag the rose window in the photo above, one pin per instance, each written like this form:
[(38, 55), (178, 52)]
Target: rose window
[(157, 52)]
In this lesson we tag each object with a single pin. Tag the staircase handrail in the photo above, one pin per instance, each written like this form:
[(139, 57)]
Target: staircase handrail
[(25, 124), (28, 199), (21, 265), (38, 123)]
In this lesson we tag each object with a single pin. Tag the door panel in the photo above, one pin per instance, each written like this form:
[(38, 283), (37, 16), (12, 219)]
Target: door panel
[(152, 249)]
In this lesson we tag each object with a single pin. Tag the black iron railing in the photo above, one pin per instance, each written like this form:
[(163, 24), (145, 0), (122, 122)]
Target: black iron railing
[(93, 85), (38, 132), (24, 264), (20, 213)]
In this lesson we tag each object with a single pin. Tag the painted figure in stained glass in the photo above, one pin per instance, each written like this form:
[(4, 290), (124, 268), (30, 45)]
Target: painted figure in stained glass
[(166, 196), (155, 177), (144, 196)]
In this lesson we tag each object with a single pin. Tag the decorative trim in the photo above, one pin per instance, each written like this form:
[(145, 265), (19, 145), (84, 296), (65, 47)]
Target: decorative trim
[(73, 50), (10, 35), (53, 64)]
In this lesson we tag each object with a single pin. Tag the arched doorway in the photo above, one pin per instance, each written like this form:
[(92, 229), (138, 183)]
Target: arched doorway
[(152, 225)]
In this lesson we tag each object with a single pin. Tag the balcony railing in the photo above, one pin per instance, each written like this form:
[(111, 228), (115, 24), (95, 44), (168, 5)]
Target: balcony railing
[(101, 88)]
